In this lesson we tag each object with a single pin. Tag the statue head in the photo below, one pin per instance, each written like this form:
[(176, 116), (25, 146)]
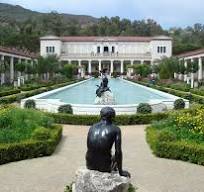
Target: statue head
[(107, 114)]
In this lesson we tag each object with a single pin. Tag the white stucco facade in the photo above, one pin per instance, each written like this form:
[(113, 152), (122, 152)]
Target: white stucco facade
[(96, 53)]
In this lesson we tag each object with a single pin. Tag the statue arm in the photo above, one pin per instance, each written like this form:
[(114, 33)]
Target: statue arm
[(119, 155), (118, 151)]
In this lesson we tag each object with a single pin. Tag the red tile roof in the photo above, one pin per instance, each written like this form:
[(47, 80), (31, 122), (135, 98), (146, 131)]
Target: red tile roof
[(14, 51), (191, 53)]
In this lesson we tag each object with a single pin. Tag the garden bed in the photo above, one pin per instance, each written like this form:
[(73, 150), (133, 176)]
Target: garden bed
[(180, 136), (26, 134), (186, 95), (17, 97)]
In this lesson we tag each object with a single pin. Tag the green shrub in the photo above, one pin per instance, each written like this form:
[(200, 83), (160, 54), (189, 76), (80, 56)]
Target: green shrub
[(9, 92), (65, 109), (136, 119), (179, 104), (41, 133), (26, 133), (18, 124), (144, 108), (166, 135), (30, 148), (30, 104), (180, 136)]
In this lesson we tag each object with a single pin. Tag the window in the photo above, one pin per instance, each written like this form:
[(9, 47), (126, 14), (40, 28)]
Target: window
[(113, 49), (50, 50), (161, 49), (106, 49), (98, 49)]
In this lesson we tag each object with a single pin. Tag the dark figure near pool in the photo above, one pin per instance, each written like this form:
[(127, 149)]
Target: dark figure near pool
[(104, 84), (100, 140)]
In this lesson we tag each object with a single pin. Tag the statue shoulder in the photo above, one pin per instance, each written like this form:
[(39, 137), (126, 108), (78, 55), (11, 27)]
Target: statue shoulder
[(117, 129)]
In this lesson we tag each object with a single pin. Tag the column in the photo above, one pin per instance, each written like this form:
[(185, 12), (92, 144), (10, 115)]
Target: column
[(200, 70), (131, 62), (185, 63), (89, 67), (11, 69), (185, 75), (192, 77), (142, 61), (121, 66), (2, 74), (79, 66), (99, 65), (111, 69)]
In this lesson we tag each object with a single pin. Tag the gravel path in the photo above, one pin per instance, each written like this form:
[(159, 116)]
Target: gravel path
[(150, 174)]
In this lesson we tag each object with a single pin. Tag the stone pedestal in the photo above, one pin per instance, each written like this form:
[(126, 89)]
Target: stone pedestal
[(92, 181)]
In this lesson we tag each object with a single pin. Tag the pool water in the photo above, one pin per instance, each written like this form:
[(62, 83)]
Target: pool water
[(124, 93)]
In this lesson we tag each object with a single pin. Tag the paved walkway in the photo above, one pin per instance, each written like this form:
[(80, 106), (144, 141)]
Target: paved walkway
[(150, 174)]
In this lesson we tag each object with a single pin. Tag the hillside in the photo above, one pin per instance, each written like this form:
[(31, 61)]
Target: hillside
[(22, 28), (11, 13)]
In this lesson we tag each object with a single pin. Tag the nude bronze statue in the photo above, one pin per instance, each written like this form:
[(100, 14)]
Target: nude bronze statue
[(104, 84), (101, 138)]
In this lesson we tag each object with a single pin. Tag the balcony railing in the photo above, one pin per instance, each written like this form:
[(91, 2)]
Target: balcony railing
[(107, 56)]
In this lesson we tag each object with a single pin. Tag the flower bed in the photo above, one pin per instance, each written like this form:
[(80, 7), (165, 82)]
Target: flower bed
[(180, 136)]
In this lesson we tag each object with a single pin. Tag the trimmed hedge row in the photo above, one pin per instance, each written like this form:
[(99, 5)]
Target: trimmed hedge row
[(10, 92), (186, 95), (119, 120), (31, 148), (181, 150), (17, 97)]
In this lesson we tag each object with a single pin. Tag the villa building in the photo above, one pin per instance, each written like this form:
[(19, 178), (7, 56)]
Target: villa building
[(113, 53)]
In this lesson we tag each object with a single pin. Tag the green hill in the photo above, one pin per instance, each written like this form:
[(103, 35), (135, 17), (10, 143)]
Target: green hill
[(15, 13)]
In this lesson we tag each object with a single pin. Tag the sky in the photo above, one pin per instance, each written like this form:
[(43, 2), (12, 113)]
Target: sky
[(168, 13)]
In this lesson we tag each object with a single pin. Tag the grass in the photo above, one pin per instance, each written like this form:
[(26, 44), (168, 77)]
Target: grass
[(18, 125)]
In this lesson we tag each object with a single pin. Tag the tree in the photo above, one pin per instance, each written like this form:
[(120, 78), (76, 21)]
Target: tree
[(143, 69), (167, 67), (69, 70), (47, 65)]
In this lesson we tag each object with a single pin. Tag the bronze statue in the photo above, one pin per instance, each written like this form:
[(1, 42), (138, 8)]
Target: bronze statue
[(100, 140), (103, 87), (104, 84)]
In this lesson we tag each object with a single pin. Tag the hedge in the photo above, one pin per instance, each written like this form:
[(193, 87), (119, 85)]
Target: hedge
[(119, 120), (180, 150), (186, 95), (17, 97), (31, 148), (10, 92)]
